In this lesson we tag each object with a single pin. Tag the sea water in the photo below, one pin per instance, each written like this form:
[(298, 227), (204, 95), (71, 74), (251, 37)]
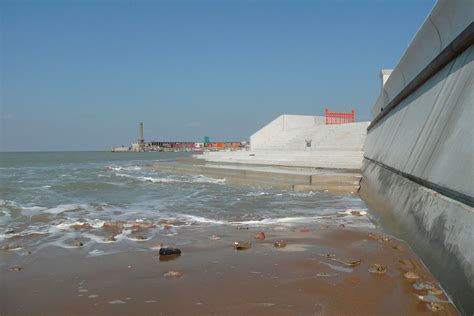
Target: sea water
[(64, 199)]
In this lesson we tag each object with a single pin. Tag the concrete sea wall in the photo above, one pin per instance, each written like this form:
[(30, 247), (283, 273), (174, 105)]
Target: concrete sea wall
[(418, 169)]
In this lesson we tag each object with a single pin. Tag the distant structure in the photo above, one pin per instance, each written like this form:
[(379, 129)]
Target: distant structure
[(174, 146)]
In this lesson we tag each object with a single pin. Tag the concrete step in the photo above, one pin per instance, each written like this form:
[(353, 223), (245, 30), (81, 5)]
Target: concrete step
[(350, 189)]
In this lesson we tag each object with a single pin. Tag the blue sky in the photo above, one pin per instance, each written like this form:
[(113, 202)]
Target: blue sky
[(81, 75)]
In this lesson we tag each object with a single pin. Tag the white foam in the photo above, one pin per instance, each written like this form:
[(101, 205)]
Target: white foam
[(349, 211), (125, 168), (64, 208)]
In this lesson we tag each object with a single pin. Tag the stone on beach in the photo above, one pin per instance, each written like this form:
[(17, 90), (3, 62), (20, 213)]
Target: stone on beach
[(279, 244), (350, 262), (172, 274), (15, 269), (260, 236), (10, 247), (411, 275), (242, 245), (377, 269), (170, 252), (434, 307)]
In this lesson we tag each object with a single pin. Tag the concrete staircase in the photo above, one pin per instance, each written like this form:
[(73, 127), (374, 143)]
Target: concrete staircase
[(332, 146)]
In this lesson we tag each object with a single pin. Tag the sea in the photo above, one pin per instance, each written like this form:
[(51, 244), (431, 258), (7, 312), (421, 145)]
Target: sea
[(63, 199)]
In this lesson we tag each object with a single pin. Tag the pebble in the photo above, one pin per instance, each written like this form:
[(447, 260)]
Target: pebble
[(327, 255), (172, 274), (377, 269), (350, 262), (169, 252), (423, 285), (15, 269), (10, 247), (434, 307), (411, 275), (242, 245), (260, 236), (279, 244)]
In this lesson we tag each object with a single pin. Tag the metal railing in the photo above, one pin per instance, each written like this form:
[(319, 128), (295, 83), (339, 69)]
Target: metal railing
[(339, 117)]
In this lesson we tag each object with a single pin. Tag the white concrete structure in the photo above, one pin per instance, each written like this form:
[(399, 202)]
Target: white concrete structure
[(284, 142), (418, 171)]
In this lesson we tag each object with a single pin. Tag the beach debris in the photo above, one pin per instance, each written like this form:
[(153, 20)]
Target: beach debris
[(260, 236), (242, 245), (356, 213), (377, 269), (326, 275), (434, 307), (172, 274), (15, 269), (327, 255), (242, 227), (10, 247), (423, 285), (279, 244), (214, 237), (411, 275), (169, 252), (350, 262)]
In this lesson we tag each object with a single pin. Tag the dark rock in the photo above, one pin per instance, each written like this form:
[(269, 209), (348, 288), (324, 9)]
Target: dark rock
[(170, 252), (242, 245), (10, 232)]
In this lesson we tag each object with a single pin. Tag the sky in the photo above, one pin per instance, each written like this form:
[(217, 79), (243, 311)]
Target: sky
[(81, 75)]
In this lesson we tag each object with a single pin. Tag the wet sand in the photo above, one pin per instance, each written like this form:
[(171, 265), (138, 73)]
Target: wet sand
[(318, 272)]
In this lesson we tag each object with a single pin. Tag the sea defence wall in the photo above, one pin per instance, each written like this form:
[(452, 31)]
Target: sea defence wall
[(418, 168)]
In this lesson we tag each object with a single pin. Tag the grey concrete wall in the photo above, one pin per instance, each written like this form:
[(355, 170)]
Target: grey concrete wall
[(440, 230), (418, 170), (430, 134), (447, 19)]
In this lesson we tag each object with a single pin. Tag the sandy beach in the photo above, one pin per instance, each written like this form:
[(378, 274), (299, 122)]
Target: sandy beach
[(322, 270)]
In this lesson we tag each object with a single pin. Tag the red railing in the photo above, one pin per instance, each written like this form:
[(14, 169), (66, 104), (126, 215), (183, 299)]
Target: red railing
[(339, 117)]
